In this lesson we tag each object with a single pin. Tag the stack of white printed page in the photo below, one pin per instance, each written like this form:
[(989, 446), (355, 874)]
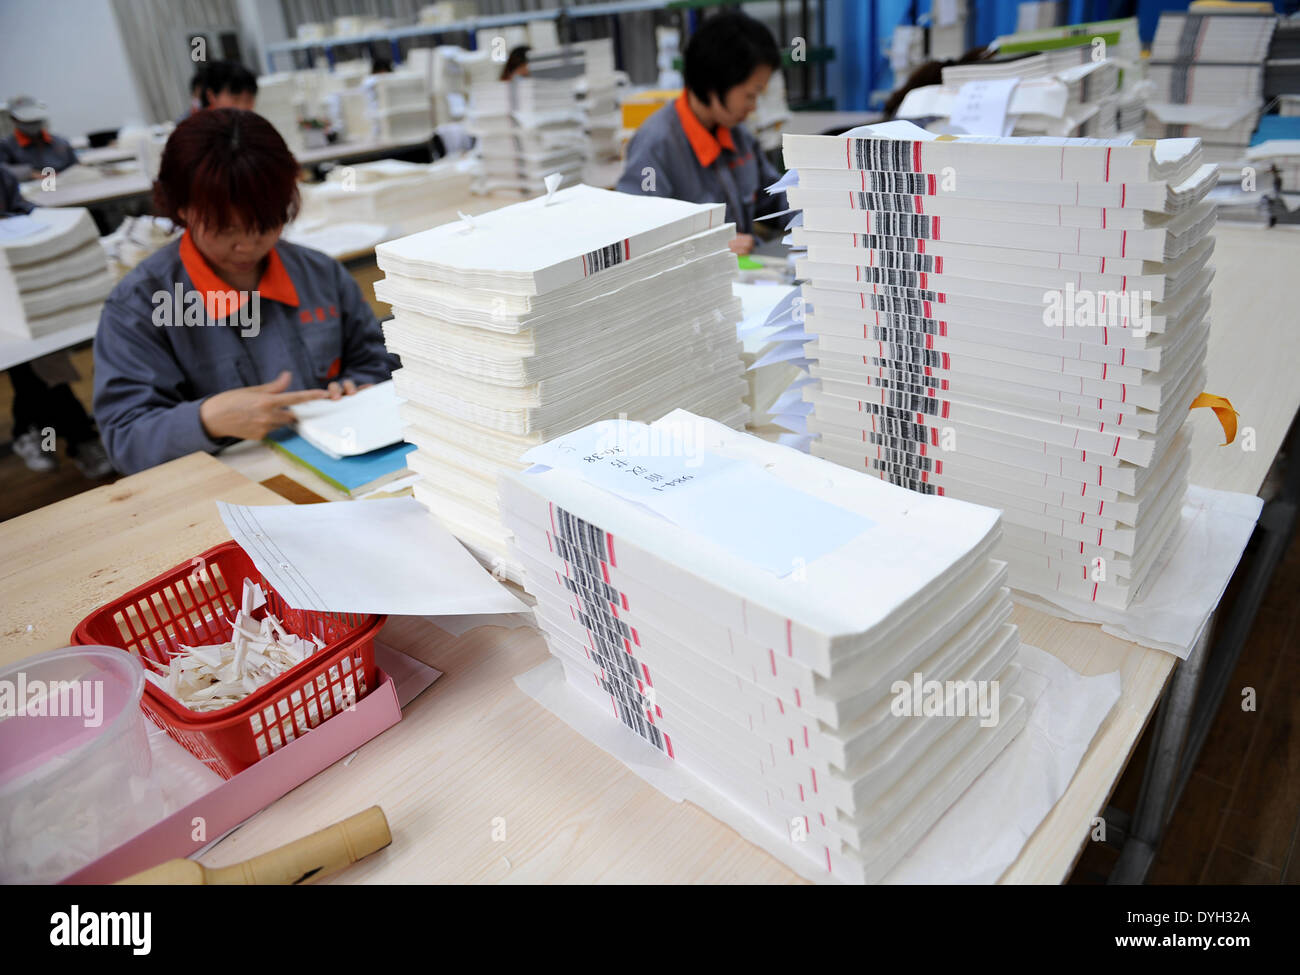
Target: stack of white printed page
[(771, 622), (1020, 323), (1207, 73), (543, 316), (527, 128), (389, 194), (53, 272)]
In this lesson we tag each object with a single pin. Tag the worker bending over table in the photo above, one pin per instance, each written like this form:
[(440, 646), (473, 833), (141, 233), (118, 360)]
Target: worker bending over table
[(696, 149), (211, 339)]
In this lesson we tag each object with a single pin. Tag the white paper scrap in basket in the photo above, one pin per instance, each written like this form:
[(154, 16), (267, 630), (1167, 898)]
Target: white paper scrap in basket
[(381, 556), (731, 502)]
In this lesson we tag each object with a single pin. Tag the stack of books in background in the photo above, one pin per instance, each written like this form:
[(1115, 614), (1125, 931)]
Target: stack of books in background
[(1207, 76), (1081, 44), (529, 127)]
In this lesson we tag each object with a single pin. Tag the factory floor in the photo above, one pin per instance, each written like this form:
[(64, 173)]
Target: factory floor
[(1238, 819)]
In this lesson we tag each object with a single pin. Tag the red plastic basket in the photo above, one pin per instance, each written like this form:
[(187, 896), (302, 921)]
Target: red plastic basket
[(195, 604)]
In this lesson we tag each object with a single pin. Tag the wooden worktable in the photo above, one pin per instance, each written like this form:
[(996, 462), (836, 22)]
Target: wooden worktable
[(474, 748)]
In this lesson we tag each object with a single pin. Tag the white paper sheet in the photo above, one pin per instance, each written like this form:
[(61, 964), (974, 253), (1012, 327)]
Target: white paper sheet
[(720, 498), (981, 106), (351, 425), (383, 556), (979, 836), (1186, 582), (18, 226)]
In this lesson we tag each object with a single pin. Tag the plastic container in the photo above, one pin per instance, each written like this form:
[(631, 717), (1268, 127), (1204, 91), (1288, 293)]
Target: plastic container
[(195, 603), (74, 761)]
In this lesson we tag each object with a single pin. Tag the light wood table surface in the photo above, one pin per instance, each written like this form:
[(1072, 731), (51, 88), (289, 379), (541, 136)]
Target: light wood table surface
[(474, 749)]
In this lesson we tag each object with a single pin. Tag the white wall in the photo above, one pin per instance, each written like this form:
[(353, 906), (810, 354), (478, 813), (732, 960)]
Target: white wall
[(69, 54)]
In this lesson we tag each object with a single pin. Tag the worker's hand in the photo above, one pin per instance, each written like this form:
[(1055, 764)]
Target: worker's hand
[(252, 412), (347, 388), (742, 243)]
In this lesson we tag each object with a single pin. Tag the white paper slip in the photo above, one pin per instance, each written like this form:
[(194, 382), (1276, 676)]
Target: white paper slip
[(720, 498), (981, 107), (383, 556), (356, 424), (19, 226)]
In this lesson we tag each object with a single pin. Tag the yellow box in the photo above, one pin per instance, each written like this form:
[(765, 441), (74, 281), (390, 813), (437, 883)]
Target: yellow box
[(640, 106)]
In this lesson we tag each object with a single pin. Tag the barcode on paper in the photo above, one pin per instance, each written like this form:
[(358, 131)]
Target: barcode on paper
[(604, 257), (583, 546)]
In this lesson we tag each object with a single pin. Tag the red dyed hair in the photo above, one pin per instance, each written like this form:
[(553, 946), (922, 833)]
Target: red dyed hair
[(227, 167)]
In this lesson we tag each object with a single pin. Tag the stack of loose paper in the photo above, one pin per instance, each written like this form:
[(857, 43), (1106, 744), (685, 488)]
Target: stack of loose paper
[(1015, 322), (1058, 93), (389, 193), (772, 337), (530, 321), (1207, 73), (528, 128), (53, 271), (769, 622)]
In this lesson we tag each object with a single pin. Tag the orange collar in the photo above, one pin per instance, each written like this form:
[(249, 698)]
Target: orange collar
[(26, 140), (707, 145), (275, 283)]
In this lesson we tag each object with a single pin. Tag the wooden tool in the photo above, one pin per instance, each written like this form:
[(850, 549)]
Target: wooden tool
[(322, 853)]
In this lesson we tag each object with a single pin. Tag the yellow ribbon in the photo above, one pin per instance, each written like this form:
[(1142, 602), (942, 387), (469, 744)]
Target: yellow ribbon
[(1223, 410)]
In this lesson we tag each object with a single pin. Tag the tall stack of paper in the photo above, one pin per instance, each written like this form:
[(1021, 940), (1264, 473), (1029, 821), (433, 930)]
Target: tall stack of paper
[(597, 91), (1080, 44), (1208, 79), (530, 127), (280, 102), (763, 619), (399, 107), (1016, 322), (535, 319), (53, 271)]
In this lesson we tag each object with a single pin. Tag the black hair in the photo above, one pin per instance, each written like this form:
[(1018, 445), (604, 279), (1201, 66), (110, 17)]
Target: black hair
[(517, 59), (724, 52), (228, 76), (199, 80)]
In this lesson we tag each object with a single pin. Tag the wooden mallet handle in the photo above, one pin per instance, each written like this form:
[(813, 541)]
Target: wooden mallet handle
[(318, 855)]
